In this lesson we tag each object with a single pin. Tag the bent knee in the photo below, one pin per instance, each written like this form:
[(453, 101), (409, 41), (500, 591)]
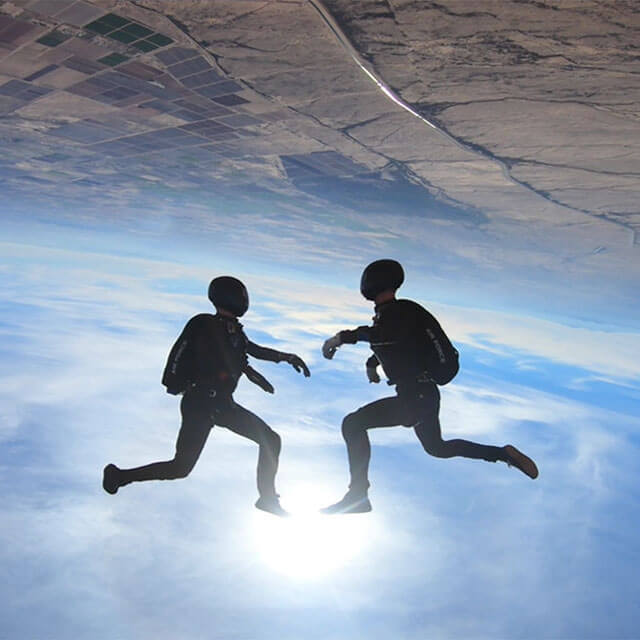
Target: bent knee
[(182, 467), (434, 446), (436, 449), (274, 440), (351, 426), (269, 439)]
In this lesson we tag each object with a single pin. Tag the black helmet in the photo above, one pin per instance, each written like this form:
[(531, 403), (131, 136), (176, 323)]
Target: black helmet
[(380, 276), (229, 293)]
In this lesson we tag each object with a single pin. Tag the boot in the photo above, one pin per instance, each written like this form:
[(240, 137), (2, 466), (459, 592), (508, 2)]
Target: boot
[(271, 504), (353, 502), (517, 459), (111, 479)]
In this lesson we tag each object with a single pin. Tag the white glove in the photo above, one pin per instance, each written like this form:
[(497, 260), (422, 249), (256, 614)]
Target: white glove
[(330, 346)]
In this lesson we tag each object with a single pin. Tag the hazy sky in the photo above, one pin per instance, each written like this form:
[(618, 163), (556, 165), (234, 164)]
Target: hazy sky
[(143, 154), (91, 305)]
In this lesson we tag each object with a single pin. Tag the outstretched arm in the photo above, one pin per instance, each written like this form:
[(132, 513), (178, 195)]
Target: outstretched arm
[(264, 353), (346, 336)]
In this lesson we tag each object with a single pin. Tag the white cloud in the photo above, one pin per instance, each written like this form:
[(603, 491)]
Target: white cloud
[(449, 544)]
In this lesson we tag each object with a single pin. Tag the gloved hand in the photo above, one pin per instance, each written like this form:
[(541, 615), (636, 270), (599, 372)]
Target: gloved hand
[(259, 379), (297, 363), (372, 374), (330, 346)]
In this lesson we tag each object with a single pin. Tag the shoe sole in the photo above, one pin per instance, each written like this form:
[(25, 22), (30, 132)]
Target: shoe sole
[(280, 512), (362, 506), (107, 486), (522, 462)]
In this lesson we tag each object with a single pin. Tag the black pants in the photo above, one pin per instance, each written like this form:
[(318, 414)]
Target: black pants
[(415, 406), (200, 412)]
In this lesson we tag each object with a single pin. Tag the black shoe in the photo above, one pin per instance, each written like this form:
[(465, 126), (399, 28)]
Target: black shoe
[(271, 504), (353, 502), (517, 459), (111, 479)]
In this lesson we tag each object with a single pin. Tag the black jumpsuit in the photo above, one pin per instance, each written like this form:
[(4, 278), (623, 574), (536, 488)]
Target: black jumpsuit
[(399, 340), (205, 364)]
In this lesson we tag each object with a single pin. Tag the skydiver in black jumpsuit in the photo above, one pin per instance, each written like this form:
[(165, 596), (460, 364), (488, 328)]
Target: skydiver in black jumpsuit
[(404, 339), (205, 365)]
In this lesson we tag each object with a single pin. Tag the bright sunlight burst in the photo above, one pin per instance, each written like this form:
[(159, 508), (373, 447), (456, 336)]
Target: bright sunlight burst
[(310, 545)]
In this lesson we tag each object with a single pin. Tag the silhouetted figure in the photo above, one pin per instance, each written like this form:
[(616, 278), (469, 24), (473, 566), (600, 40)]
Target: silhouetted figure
[(205, 365), (416, 356)]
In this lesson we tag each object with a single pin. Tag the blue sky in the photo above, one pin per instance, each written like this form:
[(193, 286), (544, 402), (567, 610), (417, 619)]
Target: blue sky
[(453, 548)]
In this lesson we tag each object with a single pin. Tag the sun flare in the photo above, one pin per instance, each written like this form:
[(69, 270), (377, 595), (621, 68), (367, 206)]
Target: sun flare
[(309, 545)]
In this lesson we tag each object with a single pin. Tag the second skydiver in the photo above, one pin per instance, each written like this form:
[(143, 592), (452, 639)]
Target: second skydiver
[(205, 365), (416, 355)]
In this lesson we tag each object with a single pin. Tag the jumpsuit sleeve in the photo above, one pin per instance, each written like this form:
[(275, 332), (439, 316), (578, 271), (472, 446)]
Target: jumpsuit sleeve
[(351, 336), (257, 378), (264, 353), (372, 361)]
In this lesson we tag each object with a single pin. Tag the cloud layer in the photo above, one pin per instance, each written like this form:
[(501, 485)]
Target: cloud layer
[(454, 548)]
